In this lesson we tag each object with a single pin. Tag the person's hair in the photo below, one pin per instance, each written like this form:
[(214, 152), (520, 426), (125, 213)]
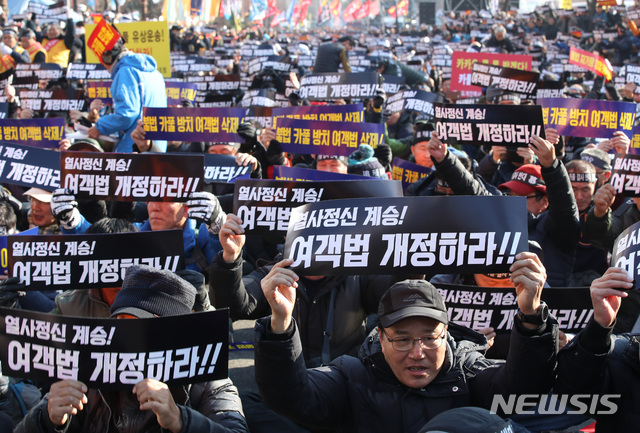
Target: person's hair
[(28, 33), (8, 216), (500, 29), (111, 225), (580, 166)]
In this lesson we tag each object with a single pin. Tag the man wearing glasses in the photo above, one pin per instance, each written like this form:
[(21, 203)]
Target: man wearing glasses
[(413, 367)]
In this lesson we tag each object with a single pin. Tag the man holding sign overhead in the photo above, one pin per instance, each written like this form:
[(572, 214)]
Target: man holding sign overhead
[(137, 83)]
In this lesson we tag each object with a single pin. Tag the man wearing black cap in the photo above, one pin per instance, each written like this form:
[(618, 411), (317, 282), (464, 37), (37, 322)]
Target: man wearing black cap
[(332, 54), (413, 368), (151, 405)]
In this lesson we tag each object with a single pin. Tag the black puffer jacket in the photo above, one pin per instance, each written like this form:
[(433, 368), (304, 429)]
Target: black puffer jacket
[(557, 230), (593, 363), (362, 394), (357, 297), (208, 407), (459, 179)]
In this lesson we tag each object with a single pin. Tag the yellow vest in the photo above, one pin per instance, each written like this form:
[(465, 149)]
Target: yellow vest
[(57, 52), (7, 62), (36, 48)]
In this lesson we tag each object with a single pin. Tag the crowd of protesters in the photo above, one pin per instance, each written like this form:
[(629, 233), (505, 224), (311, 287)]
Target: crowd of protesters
[(349, 352)]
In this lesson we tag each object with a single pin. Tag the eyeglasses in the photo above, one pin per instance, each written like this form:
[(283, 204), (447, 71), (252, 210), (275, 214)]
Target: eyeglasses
[(531, 196), (405, 344)]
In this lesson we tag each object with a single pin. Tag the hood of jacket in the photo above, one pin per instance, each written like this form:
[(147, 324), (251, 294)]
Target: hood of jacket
[(142, 62)]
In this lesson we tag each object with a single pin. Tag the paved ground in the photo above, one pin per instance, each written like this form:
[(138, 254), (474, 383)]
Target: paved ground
[(241, 361)]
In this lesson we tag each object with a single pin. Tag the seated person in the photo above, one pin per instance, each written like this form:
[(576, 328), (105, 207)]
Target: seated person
[(412, 368), (151, 405)]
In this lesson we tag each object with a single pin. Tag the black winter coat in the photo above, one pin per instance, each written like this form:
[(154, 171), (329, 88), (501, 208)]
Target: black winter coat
[(362, 394), (357, 297)]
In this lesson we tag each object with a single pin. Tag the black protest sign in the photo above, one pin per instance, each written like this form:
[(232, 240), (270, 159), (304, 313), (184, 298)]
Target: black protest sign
[(87, 71), (114, 353), (491, 125), (420, 101), (45, 262), (496, 307), (259, 97), (217, 83), (223, 169), (626, 251), (392, 84), (52, 100), (29, 166), (42, 71), (265, 205), (407, 235), (262, 115), (5, 77), (46, 13), (625, 178), (507, 79), (132, 177), (210, 101), (550, 89), (632, 74), (330, 86), (273, 63)]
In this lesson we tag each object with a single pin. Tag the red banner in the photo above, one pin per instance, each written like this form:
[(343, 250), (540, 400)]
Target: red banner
[(102, 39), (462, 64), (591, 62)]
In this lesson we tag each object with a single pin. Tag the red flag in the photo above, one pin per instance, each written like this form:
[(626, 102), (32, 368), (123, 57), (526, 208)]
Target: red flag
[(353, 7), (374, 8), (363, 12), (272, 9)]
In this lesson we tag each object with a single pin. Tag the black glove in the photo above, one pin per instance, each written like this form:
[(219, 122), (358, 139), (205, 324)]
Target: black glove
[(64, 208), (10, 290), (249, 133), (379, 99), (204, 206), (384, 155)]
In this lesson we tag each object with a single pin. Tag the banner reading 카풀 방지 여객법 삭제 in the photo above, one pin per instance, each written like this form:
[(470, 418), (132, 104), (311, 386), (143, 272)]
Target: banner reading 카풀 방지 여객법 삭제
[(333, 113), (60, 262), (193, 124), (588, 117), (496, 307), (132, 176), (43, 133), (455, 234), (265, 205), (327, 138), (114, 353), (491, 125)]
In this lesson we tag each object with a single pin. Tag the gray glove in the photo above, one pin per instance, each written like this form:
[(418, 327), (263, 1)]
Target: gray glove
[(64, 208), (204, 206)]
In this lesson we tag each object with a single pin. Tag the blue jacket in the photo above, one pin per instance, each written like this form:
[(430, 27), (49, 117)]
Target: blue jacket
[(136, 83), (191, 236)]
